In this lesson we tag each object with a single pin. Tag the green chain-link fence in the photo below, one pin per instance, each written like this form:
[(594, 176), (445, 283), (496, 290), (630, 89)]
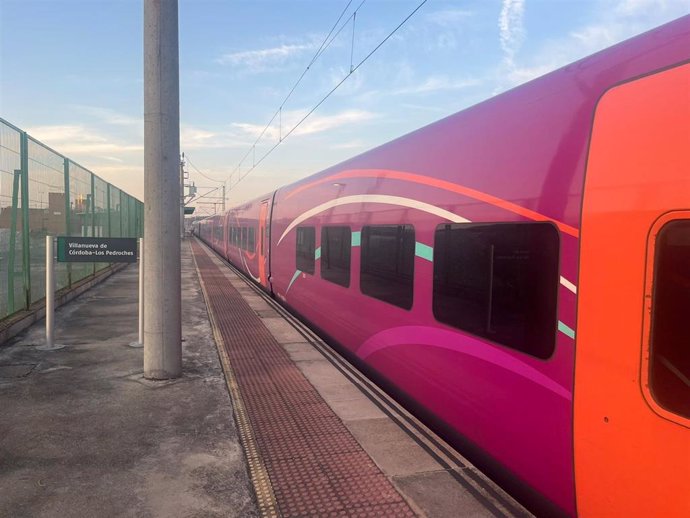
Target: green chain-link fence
[(44, 193)]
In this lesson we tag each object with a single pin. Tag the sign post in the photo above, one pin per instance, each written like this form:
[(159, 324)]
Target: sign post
[(140, 342), (50, 292), (50, 298), (86, 250)]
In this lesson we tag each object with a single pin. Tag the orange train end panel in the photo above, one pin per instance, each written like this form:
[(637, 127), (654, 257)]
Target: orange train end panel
[(630, 458)]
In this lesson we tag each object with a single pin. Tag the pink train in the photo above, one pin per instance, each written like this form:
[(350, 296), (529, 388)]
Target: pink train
[(518, 274)]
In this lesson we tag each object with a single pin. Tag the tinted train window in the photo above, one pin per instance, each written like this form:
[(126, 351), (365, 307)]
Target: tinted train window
[(251, 243), (243, 243), (387, 264), (306, 244), (499, 281), (670, 339), (335, 254)]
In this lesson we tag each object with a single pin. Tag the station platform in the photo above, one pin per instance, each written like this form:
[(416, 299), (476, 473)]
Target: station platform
[(266, 420)]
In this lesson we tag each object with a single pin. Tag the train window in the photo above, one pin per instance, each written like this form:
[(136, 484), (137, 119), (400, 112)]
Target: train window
[(499, 281), (251, 243), (669, 364), (234, 236), (306, 244), (243, 243), (387, 263), (336, 243)]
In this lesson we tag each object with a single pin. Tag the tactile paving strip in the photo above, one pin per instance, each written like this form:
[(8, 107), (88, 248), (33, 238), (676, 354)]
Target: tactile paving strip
[(303, 460)]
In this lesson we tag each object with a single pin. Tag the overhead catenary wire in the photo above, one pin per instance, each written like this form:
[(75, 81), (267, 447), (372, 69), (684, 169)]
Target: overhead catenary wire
[(322, 48), (353, 69), (199, 171)]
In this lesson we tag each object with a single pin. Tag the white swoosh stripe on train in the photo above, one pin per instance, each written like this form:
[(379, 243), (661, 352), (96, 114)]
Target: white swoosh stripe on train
[(375, 198), (391, 200), (565, 282)]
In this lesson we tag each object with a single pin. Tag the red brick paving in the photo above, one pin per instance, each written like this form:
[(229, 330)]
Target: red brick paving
[(315, 466)]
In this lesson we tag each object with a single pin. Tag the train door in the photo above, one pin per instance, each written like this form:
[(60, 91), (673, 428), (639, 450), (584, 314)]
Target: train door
[(263, 243), (632, 441)]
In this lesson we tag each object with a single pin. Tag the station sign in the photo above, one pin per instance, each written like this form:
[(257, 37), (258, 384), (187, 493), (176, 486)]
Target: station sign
[(96, 249)]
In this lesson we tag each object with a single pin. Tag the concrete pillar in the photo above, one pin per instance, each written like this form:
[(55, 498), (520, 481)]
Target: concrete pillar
[(162, 312)]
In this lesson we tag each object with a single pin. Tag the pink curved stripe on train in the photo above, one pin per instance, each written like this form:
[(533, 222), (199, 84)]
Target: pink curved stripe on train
[(434, 337)]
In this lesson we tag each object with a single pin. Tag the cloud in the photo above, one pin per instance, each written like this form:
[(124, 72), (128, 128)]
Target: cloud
[(115, 160), (637, 7), (435, 84), (197, 138), (262, 59), (511, 29), (444, 29), (449, 17), (354, 144), (424, 108), (110, 117), (611, 23), (429, 85), (80, 139), (114, 171), (313, 124)]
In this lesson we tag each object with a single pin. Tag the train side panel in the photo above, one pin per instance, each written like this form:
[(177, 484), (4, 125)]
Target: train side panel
[(632, 452), (510, 404), (517, 158)]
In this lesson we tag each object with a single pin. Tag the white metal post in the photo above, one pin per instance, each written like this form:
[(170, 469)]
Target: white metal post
[(50, 298), (50, 293), (182, 199), (141, 290), (140, 339)]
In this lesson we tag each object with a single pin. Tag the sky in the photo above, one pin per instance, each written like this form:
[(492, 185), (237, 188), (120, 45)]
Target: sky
[(71, 75)]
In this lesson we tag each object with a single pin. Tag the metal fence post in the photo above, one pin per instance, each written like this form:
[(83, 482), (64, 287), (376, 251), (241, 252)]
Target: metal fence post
[(26, 242), (107, 191), (13, 241), (121, 214)]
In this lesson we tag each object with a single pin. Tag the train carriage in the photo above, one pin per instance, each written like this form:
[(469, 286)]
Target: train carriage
[(519, 274)]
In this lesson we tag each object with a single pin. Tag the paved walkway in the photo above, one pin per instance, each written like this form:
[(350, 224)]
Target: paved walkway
[(83, 434), (304, 457)]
